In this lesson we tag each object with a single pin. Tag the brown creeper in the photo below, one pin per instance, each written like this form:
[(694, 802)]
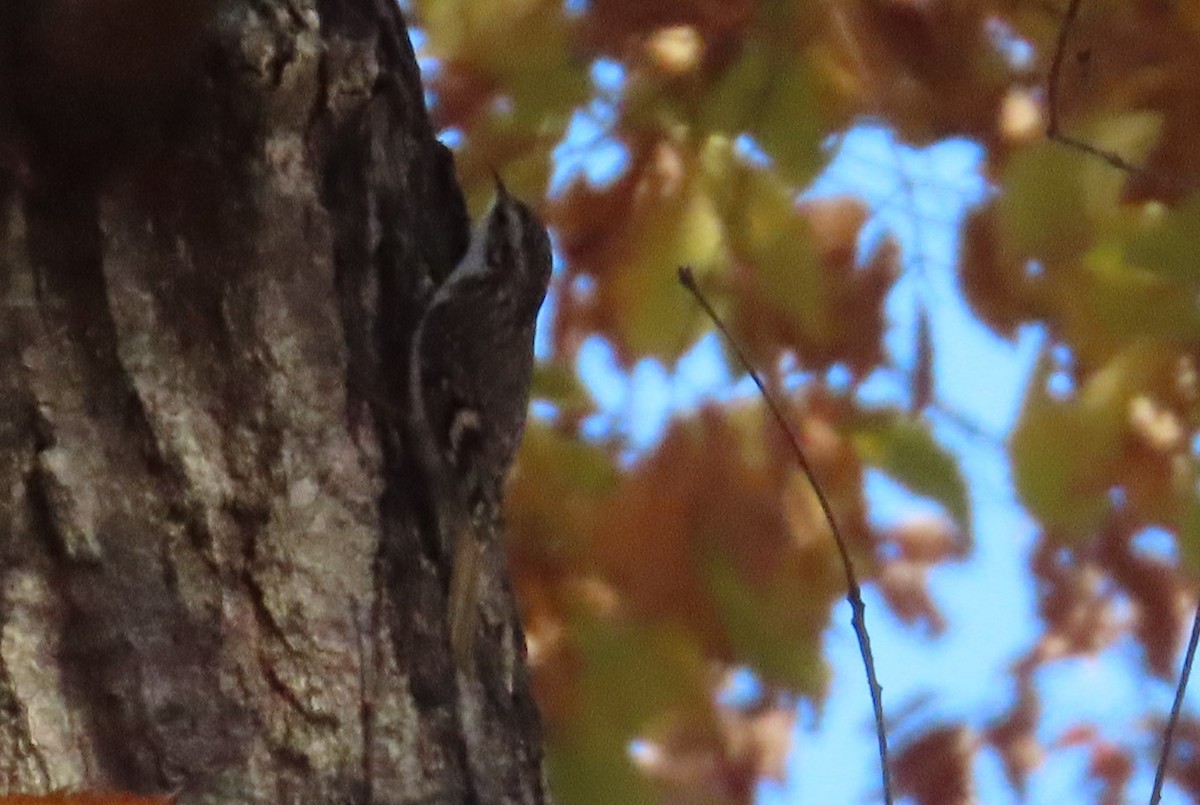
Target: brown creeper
[(470, 366)]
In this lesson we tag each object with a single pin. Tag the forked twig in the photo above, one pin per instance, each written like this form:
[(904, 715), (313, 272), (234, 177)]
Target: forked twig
[(1053, 131), (853, 589)]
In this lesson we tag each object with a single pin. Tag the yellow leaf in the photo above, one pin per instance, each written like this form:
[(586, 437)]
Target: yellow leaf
[(1055, 197), (1167, 243), (1067, 454), (559, 384), (780, 243), (772, 628), (673, 224), (769, 94), (1189, 534)]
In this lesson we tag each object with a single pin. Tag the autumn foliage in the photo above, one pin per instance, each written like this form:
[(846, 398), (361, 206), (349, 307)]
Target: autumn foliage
[(648, 579)]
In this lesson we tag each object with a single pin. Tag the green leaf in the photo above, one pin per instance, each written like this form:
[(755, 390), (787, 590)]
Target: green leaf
[(544, 84), (766, 628), (1055, 197), (790, 124), (587, 766), (634, 680), (1111, 305), (565, 464), (778, 239), (1063, 460), (1168, 242), (904, 449), (650, 669), (559, 384), (1066, 453), (653, 315), (770, 94), (1189, 535), (1041, 209)]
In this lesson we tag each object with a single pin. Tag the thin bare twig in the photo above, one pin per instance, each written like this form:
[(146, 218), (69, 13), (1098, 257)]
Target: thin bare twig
[(1054, 132), (853, 589), (1160, 773), (1053, 128), (1056, 63)]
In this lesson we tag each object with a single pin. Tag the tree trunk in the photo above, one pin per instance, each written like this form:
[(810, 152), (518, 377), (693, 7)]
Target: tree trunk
[(217, 225)]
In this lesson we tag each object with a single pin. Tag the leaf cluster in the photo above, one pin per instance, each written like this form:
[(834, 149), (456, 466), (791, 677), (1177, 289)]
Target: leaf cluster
[(648, 583)]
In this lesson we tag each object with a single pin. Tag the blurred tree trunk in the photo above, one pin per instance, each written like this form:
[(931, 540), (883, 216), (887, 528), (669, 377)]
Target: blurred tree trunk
[(216, 224)]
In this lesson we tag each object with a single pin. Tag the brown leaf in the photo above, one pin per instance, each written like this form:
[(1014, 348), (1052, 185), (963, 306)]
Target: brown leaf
[(1156, 590), (904, 587), (616, 26), (1001, 290), (799, 287), (926, 538), (715, 537), (1079, 615), (1015, 737), (929, 68), (1113, 766), (935, 769), (463, 93), (669, 498), (723, 762), (630, 238)]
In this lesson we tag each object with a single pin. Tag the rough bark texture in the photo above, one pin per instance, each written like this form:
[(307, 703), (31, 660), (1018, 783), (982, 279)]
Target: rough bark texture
[(217, 225)]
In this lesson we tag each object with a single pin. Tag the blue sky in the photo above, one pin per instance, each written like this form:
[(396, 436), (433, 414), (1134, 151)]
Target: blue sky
[(920, 197)]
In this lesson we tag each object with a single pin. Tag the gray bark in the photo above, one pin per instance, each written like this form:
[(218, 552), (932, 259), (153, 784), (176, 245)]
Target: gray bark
[(212, 574)]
